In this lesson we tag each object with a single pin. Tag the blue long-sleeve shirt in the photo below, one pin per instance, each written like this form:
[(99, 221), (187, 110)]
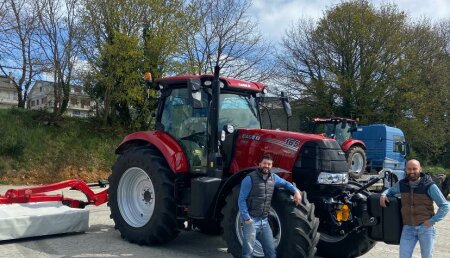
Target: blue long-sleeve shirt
[(246, 187), (436, 196)]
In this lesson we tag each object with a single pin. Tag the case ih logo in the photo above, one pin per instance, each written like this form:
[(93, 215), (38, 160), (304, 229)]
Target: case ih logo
[(245, 85), (251, 137)]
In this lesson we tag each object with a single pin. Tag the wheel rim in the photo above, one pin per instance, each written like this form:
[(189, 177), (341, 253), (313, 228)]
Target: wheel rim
[(357, 163), (136, 197), (275, 225)]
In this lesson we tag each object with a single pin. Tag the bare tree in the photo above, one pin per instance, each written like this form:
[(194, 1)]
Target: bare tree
[(59, 41), (2, 13), (226, 36), (19, 56)]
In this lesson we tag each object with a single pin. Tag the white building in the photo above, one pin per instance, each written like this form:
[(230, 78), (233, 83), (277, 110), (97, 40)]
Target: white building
[(41, 97), (8, 93)]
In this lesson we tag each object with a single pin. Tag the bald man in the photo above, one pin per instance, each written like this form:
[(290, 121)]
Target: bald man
[(418, 192)]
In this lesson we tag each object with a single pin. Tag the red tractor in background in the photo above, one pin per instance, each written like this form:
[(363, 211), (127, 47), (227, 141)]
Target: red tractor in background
[(341, 129), (208, 137)]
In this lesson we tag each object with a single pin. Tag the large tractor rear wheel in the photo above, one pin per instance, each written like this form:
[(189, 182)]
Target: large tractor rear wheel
[(141, 197), (294, 227), (356, 159), (351, 245)]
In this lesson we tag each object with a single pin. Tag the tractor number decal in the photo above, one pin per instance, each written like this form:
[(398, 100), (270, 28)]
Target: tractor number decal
[(292, 142)]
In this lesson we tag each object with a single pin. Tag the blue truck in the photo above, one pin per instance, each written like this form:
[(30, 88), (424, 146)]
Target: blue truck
[(385, 150), (369, 149)]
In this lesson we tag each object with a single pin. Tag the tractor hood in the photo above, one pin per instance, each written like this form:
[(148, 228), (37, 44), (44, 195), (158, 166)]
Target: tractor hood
[(251, 144)]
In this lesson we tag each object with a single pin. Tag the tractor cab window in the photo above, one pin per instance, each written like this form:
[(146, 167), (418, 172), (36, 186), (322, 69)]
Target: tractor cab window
[(327, 129), (187, 124), (238, 110), (343, 132)]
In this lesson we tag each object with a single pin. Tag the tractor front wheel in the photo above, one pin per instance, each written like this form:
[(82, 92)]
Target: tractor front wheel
[(141, 197), (356, 158), (294, 227)]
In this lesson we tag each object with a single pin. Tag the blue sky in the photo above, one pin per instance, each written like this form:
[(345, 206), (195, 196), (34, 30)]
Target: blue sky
[(275, 16)]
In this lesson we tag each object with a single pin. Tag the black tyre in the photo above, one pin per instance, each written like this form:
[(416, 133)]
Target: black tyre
[(446, 186), (141, 197), (294, 227), (357, 160), (354, 244), (442, 181), (208, 227)]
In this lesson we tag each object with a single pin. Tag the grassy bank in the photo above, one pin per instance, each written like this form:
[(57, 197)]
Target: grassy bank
[(33, 150)]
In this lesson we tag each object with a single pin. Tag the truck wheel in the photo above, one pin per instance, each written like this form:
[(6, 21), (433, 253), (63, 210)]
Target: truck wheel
[(141, 197), (354, 244), (356, 159), (294, 227)]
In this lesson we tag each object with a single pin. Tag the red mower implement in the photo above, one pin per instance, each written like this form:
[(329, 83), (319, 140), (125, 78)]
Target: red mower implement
[(27, 212)]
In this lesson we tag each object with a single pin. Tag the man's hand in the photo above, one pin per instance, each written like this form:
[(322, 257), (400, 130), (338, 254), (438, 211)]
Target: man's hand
[(383, 200), (427, 223), (250, 221), (297, 197)]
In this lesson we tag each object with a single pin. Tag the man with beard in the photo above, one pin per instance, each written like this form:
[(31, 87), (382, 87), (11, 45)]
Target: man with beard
[(418, 192), (254, 201)]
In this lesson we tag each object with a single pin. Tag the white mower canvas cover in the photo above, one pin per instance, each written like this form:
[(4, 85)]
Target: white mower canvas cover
[(22, 220)]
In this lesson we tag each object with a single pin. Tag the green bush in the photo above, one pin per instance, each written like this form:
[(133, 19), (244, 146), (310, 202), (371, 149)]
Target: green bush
[(435, 170)]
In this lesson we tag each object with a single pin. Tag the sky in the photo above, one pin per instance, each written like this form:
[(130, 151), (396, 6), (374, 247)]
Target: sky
[(275, 16)]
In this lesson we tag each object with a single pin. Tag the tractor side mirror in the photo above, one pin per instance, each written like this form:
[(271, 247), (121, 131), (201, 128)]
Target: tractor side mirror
[(194, 86), (286, 106)]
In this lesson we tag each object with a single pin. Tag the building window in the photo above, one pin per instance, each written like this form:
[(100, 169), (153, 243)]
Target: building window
[(40, 89), (32, 103), (44, 100), (37, 102), (73, 101), (76, 113), (85, 103)]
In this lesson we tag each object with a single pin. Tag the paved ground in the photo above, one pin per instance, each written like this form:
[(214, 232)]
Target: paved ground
[(103, 241)]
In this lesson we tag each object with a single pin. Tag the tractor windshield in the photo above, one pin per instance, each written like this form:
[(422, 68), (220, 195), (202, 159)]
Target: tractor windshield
[(334, 129), (238, 110)]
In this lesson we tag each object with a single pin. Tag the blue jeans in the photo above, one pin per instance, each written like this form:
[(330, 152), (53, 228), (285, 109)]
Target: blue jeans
[(410, 235), (259, 230)]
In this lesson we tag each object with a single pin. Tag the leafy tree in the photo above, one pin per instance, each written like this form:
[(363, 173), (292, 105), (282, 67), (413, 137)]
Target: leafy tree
[(359, 61), (152, 29), (424, 92), (346, 62)]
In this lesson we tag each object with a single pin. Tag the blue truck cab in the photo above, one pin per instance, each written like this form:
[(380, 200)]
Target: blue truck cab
[(385, 149)]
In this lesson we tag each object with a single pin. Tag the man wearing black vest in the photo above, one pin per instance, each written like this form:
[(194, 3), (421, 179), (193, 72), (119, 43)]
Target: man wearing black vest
[(418, 192), (254, 201)]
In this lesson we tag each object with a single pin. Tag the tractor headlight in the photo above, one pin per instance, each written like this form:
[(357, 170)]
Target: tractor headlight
[(332, 178)]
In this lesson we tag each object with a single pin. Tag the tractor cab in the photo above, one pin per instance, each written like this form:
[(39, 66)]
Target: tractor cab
[(184, 112), (337, 128)]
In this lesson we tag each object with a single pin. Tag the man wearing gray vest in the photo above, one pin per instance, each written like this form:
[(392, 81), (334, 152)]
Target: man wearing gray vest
[(254, 201)]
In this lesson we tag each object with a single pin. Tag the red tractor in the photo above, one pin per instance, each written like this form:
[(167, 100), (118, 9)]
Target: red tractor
[(341, 129), (208, 137)]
